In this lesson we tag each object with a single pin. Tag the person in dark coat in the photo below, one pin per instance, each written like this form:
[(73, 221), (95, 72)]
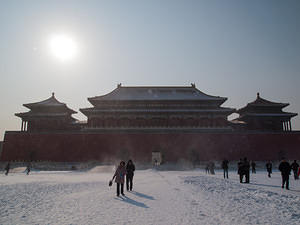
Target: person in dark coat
[(269, 168), (285, 169), (246, 169), (207, 168), (130, 168), (225, 168), (120, 177), (239, 165), (212, 167), (253, 165), (7, 169), (295, 167), (28, 169)]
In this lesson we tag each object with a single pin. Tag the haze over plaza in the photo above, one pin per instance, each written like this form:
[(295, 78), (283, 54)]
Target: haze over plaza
[(233, 49)]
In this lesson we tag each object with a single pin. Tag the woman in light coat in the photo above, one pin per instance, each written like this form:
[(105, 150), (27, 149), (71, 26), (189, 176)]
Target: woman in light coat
[(120, 178)]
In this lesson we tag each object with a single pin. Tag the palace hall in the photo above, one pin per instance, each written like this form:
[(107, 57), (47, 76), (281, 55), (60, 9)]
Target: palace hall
[(178, 122)]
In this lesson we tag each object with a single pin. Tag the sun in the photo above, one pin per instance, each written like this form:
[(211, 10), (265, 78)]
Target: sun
[(63, 47)]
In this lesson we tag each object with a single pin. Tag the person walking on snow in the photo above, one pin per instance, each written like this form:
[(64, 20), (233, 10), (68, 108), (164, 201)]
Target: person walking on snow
[(239, 165), (295, 167), (285, 169), (225, 168), (28, 169), (253, 165), (269, 168), (207, 168), (120, 177), (212, 167), (130, 168), (244, 168), (7, 169)]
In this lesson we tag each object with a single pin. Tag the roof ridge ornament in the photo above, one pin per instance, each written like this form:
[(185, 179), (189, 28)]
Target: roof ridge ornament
[(258, 95), (119, 85), (193, 85), (53, 94)]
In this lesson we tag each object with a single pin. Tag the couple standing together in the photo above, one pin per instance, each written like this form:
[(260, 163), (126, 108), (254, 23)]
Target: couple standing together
[(120, 176)]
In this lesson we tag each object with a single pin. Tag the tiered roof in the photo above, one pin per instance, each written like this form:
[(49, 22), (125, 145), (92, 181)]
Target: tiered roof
[(263, 107), (170, 94), (48, 107), (154, 93)]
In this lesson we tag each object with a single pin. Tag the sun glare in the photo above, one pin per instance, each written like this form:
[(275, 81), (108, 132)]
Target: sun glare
[(63, 47)]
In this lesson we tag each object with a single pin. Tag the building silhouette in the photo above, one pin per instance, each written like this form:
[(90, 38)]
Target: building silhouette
[(176, 122)]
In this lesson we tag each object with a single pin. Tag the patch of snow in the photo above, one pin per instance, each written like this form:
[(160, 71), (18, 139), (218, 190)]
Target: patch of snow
[(159, 197)]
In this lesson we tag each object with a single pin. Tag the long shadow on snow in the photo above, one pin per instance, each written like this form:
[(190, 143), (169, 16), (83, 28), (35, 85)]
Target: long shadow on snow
[(266, 185), (133, 202), (142, 195), (276, 186)]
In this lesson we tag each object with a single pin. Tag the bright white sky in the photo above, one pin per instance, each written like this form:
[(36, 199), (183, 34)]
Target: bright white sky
[(228, 48)]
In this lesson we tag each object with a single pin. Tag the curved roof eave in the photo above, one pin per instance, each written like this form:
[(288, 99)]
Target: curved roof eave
[(154, 93), (49, 102)]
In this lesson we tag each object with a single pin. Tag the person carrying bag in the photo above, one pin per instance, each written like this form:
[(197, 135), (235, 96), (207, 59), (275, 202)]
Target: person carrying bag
[(120, 178)]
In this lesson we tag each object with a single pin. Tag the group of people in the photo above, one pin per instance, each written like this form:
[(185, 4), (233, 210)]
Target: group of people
[(210, 168), (285, 169), (244, 170), (120, 174)]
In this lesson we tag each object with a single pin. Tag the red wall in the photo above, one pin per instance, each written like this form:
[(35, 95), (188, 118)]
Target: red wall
[(138, 146)]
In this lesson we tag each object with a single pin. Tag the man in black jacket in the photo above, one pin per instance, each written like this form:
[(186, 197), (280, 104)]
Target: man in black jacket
[(253, 165), (285, 169), (295, 167), (240, 164), (269, 168), (246, 169), (130, 168), (7, 169), (225, 167)]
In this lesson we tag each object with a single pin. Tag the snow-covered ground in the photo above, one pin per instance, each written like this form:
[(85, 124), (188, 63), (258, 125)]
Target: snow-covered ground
[(168, 197)]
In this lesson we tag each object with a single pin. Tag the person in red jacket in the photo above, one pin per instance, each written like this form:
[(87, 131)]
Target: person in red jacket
[(120, 178)]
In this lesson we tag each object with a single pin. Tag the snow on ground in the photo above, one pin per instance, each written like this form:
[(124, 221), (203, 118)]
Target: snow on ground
[(159, 197)]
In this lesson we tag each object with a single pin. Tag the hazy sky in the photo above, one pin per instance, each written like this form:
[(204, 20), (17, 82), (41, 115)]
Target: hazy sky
[(229, 48)]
